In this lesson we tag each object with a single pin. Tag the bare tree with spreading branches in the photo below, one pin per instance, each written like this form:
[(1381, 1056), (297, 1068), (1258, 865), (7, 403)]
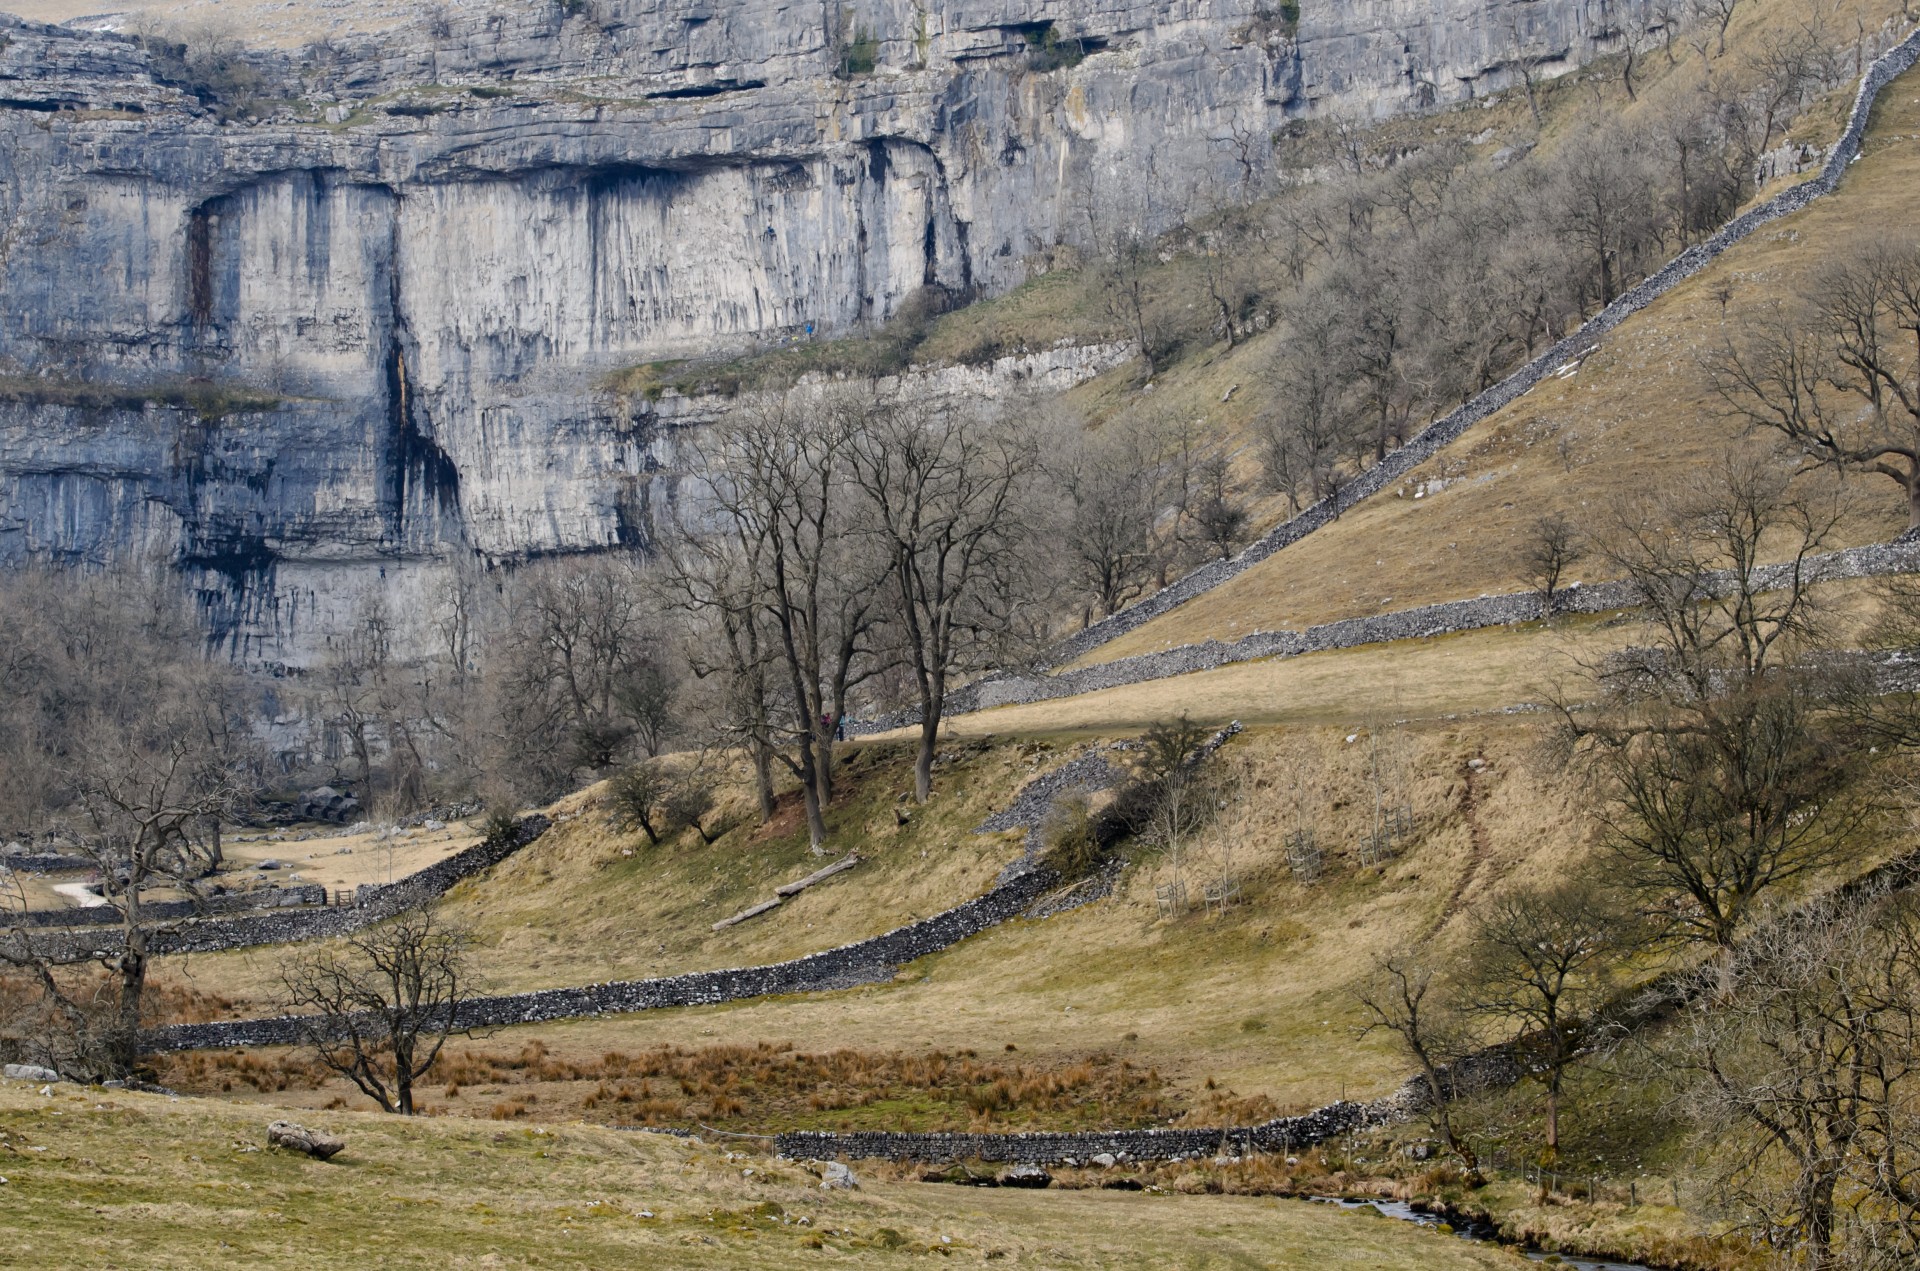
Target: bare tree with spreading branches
[(1542, 965), (945, 495), (378, 1009), (1725, 773), (1840, 381), (1404, 997), (1804, 1054), (1551, 547)]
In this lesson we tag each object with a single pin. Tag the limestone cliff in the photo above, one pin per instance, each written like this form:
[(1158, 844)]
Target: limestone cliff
[(347, 337)]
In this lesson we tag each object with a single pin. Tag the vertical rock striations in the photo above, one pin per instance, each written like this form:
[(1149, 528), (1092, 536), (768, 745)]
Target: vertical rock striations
[(347, 339)]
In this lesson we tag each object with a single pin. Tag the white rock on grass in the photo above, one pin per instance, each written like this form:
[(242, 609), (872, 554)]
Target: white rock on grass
[(28, 1072), (838, 1177)]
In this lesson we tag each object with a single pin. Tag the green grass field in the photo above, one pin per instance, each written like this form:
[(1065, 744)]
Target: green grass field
[(101, 1179)]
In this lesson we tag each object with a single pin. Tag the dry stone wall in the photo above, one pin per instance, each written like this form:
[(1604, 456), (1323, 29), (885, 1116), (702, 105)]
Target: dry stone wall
[(1440, 433), (1027, 888), (210, 935), (173, 910), (1062, 1148), (1901, 556), (43, 863), (862, 962)]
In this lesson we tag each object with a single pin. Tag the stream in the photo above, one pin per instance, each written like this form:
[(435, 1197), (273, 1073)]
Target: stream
[(1405, 1212)]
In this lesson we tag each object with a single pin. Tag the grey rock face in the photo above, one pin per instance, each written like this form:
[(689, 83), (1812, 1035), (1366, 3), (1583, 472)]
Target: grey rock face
[(353, 347)]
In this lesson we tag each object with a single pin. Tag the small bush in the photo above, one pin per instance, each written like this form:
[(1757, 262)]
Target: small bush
[(501, 826), (1046, 51), (862, 54), (1069, 846)]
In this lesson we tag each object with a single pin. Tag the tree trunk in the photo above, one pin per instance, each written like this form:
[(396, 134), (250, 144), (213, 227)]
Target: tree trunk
[(816, 823), (823, 766), (763, 779), (1913, 497), (810, 794), (123, 1049), (923, 762), (1550, 1158), (1817, 1219)]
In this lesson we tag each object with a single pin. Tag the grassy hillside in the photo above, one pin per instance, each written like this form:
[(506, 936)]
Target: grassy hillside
[(1255, 1000), (99, 1178), (589, 901), (1635, 418)]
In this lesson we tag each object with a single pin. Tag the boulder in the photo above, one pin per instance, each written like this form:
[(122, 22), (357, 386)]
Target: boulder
[(29, 1072), (837, 1177), (1105, 1160), (324, 803), (298, 1138)]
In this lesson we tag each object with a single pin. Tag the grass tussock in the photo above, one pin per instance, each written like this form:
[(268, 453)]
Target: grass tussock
[(763, 1087)]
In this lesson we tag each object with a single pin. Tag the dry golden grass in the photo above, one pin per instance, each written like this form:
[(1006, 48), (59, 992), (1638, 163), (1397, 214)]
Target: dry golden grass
[(140, 1180), (762, 1087), (340, 859), (1636, 418), (1471, 671), (588, 902), (1256, 999)]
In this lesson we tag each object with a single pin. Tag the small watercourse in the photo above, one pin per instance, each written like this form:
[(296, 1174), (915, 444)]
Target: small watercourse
[(1480, 1232)]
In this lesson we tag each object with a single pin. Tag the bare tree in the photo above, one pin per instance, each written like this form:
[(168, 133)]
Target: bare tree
[(1110, 483), (1219, 515), (585, 635), (1842, 383), (1720, 13), (381, 1005), (131, 746), (636, 795), (945, 493), (1601, 206), (1303, 441), (1121, 221), (1401, 998), (776, 475), (1171, 795), (1805, 1050), (1725, 774), (352, 689), (1553, 544), (712, 580), (1542, 967)]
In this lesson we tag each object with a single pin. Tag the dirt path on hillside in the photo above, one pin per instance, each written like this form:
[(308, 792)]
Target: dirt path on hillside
[(1482, 851)]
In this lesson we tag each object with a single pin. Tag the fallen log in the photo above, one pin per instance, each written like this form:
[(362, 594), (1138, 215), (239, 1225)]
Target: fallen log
[(818, 875), (752, 912)]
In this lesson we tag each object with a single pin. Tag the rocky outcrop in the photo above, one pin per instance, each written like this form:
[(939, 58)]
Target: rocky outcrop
[(346, 338)]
